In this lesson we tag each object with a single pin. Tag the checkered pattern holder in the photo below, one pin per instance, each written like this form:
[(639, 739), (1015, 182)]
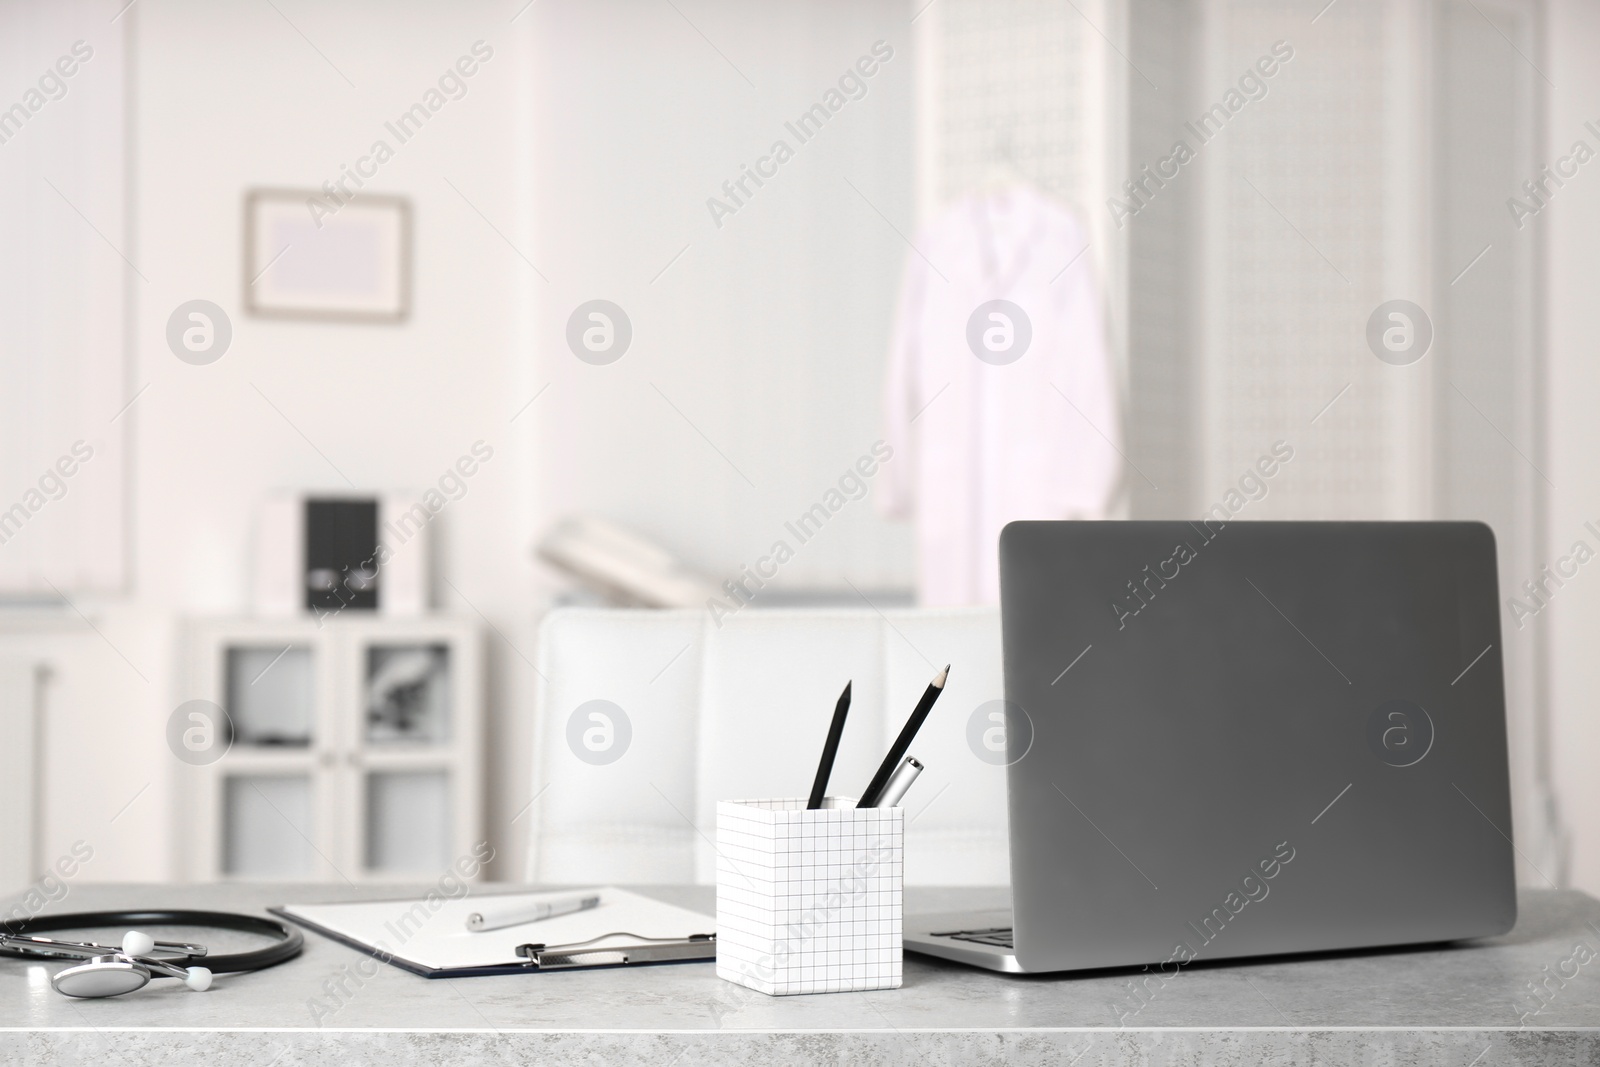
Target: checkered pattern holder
[(809, 901)]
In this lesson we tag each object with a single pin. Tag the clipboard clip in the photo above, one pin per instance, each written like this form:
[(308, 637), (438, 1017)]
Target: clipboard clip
[(545, 957)]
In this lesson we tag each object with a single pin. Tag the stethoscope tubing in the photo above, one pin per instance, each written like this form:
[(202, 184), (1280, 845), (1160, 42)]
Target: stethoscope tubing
[(288, 941)]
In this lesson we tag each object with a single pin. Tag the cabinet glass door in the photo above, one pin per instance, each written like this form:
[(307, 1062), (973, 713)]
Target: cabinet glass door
[(267, 826), (408, 815), (406, 692), (271, 695)]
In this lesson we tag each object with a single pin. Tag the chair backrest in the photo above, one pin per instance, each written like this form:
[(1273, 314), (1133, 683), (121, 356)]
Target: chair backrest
[(702, 712)]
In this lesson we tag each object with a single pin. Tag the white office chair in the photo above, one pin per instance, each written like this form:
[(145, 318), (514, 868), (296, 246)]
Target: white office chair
[(741, 711)]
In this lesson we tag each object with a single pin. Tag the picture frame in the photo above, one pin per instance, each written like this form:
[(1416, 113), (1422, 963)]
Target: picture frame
[(307, 256)]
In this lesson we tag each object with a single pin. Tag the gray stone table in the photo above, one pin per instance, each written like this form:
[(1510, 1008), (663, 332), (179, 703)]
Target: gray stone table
[(1462, 1005)]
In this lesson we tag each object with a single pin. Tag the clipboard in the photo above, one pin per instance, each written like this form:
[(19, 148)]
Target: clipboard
[(428, 937)]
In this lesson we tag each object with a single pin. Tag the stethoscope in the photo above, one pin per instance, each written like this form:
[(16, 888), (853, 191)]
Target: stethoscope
[(113, 970)]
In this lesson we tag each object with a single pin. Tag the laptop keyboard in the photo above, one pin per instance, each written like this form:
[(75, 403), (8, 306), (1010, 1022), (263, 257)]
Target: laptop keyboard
[(998, 936)]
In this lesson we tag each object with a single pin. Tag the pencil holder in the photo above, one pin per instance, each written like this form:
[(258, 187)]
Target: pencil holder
[(809, 901)]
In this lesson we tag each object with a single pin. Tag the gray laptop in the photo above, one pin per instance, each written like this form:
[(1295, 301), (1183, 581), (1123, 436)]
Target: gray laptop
[(1243, 739)]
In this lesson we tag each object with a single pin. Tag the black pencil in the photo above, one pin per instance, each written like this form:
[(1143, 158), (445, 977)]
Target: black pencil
[(830, 749), (869, 798)]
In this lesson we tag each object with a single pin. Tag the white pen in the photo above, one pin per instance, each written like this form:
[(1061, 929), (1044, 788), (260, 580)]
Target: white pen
[(515, 912), (899, 782)]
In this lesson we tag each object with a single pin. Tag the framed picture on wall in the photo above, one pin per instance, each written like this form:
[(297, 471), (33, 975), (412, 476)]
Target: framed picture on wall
[(308, 257)]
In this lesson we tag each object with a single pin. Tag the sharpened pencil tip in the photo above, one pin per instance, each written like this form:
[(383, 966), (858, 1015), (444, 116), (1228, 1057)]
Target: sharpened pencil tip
[(938, 681)]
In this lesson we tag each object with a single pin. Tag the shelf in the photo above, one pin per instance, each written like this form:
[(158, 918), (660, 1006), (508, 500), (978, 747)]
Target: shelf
[(355, 747)]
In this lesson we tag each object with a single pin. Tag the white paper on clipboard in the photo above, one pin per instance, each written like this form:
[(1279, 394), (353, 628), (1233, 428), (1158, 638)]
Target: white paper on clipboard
[(430, 937)]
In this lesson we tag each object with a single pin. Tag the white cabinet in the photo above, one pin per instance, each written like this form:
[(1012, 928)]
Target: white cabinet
[(348, 750)]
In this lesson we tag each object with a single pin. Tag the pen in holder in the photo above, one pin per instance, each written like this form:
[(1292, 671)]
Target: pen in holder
[(809, 901)]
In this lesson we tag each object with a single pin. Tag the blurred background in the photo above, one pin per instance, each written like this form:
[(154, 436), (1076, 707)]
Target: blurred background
[(602, 302)]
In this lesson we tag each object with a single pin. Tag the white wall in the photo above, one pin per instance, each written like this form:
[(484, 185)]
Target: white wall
[(1572, 256), (226, 96), (591, 142), (769, 333), (62, 293)]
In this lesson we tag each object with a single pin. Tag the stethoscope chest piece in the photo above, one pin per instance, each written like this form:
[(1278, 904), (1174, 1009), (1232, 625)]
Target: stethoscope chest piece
[(102, 976)]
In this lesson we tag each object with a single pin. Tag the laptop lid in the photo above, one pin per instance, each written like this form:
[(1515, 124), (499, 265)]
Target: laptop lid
[(1252, 737)]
